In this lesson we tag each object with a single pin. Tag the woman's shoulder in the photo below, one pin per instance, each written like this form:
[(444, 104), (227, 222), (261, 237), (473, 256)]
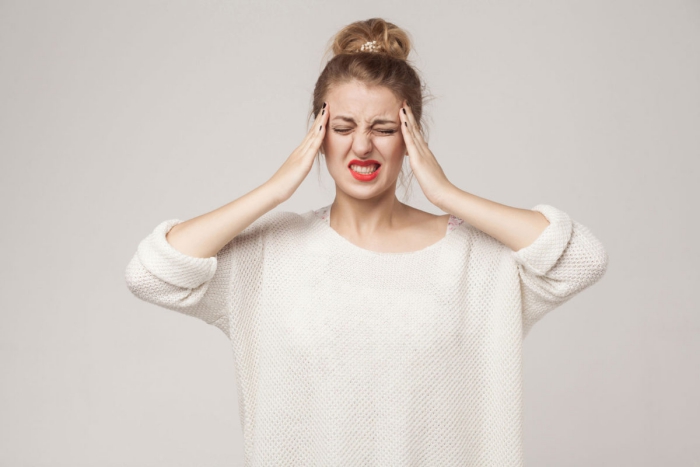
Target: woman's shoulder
[(280, 223), (437, 221)]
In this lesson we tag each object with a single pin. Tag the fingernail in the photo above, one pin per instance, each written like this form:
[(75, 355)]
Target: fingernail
[(324, 111), (405, 123), (404, 111), (324, 105)]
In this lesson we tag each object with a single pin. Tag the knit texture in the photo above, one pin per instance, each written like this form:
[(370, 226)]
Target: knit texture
[(349, 357)]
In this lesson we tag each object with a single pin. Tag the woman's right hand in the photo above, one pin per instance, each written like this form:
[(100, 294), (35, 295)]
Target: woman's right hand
[(298, 165)]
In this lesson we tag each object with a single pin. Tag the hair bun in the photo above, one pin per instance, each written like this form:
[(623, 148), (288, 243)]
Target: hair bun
[(374, 35)]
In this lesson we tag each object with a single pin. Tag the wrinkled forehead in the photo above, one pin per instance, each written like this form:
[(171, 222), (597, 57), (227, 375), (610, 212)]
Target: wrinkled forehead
[(363, 103)]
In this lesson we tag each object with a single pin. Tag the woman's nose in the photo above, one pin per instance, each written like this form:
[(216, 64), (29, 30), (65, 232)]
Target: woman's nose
[(362, 143)]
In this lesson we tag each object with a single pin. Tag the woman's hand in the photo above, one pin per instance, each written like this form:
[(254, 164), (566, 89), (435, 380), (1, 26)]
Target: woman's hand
[(424, 165), (298, 165)]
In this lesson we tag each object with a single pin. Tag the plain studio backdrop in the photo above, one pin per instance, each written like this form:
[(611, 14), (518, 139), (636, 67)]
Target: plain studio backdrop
[(116, 116)]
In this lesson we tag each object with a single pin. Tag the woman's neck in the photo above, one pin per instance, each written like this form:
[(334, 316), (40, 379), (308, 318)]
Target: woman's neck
[(367, 216)]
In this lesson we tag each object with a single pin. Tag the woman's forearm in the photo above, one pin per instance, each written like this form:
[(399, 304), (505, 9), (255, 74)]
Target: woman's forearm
[(203, 236), (514, 227)]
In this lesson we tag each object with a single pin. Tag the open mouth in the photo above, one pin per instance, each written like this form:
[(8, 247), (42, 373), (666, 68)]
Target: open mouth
[(364, 170)]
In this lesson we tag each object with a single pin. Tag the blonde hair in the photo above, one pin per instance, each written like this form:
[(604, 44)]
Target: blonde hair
[(388, 67)]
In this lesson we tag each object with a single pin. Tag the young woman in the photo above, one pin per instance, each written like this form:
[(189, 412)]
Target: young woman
[(368, 332)]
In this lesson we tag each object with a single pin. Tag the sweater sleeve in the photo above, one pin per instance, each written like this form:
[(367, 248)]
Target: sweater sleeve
[(199, 287), (563, 260)]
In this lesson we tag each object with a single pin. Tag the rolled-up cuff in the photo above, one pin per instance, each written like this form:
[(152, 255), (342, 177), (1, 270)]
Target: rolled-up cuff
[(542, 254), (162, 260)]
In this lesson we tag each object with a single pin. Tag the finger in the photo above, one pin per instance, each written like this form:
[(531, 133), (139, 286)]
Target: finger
[(326, 120), (412, 126), (318, 131), (315, 129), (407, 125), (407, 134)]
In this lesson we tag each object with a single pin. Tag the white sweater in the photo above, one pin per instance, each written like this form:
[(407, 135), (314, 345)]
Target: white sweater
[(350, 357)]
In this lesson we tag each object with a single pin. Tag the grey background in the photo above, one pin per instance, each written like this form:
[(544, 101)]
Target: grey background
[(115, 116)]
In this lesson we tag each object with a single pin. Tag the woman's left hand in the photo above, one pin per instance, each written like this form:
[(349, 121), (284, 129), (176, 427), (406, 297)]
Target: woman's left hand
[(424, 165)]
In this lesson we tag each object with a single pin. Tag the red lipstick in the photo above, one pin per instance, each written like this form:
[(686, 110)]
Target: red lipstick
[(365, 163)]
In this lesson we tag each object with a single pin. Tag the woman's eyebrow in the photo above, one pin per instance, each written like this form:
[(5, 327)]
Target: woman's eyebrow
[(376, 121)]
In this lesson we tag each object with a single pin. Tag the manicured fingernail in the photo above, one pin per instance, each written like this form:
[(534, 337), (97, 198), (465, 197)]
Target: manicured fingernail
[(404, 111), (324, 105), (324, 111)]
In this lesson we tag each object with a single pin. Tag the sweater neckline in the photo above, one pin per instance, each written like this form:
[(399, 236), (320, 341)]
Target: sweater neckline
[(323, 215)]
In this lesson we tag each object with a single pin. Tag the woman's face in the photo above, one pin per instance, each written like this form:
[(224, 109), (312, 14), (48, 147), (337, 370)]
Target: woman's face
[(363, 125)]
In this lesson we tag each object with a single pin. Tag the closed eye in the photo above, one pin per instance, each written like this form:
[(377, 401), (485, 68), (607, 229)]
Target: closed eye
[(345, 130)]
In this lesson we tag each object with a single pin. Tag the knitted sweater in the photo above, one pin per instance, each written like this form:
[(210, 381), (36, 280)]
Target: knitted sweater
[(349, 357)]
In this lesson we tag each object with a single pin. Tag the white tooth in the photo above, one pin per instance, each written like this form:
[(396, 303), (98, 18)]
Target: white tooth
[(364, 170)]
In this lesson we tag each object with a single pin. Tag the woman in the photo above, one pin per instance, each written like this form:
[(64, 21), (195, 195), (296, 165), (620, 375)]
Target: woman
[(368, 332)]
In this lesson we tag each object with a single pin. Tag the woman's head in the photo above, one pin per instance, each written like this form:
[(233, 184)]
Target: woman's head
[(362, 86)]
